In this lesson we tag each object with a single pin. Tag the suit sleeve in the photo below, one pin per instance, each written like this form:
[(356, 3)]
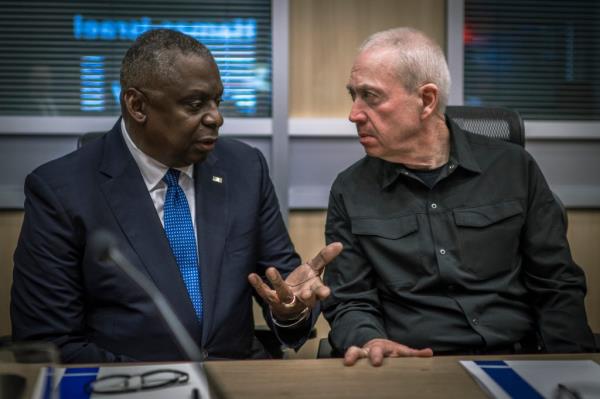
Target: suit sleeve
[(353, 309), (556, 283), (276, 249), (48, 300)]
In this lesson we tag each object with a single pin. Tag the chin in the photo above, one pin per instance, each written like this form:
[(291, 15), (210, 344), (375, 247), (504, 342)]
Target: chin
[(372, 152), (198, 157)]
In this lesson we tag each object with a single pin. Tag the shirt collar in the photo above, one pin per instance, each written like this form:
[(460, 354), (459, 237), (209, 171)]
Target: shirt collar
[(152, 170), (460, 155)]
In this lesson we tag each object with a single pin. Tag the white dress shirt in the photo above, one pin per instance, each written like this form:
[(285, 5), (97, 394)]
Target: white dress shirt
[(153, 172)]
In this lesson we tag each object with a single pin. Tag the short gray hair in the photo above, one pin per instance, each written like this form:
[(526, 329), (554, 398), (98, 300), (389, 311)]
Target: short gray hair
[(420, 60), (150, 57)]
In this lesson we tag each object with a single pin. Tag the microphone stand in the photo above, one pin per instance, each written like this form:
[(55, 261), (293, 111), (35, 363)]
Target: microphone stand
[(105, 246)]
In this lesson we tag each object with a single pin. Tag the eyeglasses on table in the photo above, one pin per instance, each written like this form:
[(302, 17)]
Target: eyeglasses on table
[(123, 383)]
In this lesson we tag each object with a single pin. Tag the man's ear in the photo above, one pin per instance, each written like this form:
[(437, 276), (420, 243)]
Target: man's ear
[(429, 94), (135, 104)]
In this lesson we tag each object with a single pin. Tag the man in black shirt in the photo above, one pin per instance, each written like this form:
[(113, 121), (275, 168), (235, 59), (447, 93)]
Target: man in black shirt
[(453, 242)]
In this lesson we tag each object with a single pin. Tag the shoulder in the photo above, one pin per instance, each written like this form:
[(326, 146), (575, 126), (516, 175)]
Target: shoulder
[(366, 169), (72, 166), (230, 149), (238, 157), (490, 144), (491, 151), (74, 173)]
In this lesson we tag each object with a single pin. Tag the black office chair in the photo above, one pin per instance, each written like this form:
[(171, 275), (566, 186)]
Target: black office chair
[(5, 340), (500, 123), (325, 350)]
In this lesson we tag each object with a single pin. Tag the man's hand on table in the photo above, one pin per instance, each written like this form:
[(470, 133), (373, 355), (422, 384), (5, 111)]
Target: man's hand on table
[(378, 349)]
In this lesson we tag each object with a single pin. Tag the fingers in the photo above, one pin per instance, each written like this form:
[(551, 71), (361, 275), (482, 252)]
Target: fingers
[(325, 256), (378, 349), (261, 288), (316, 292), (427, 352), (322, 291), (284, 293), (353, 354), (376, 355), (405, 351)]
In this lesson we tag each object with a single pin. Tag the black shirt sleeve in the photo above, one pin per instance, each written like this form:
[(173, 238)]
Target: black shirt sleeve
[(556, 284)]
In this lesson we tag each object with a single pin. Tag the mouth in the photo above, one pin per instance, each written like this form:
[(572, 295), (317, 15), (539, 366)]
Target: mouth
[(366, 139), (207, 143)]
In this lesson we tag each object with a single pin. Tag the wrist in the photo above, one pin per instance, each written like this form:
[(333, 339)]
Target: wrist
[(302, 316)]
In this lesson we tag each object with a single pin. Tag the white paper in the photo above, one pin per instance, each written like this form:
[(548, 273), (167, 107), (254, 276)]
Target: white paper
[(543, 376)]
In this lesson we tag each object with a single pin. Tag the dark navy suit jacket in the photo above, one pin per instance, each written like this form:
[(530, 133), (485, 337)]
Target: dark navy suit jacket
[(90, 309)]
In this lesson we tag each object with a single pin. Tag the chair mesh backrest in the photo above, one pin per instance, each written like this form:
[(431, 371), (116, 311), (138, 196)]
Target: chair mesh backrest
[(499, 123)]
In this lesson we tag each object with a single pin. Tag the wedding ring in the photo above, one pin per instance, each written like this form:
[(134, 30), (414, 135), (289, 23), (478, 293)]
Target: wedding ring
[(291, 303)]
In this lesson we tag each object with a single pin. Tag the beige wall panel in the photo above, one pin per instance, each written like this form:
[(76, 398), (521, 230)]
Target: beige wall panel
[(307, 230), (10, 226), (584, 238), (324, 36)]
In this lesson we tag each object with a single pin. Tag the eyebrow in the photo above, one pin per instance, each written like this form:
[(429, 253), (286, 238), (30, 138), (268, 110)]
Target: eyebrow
[(361, 87), (203, 93)]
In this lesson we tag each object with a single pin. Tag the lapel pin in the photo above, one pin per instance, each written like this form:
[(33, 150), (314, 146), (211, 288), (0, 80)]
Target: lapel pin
[(217, 179)]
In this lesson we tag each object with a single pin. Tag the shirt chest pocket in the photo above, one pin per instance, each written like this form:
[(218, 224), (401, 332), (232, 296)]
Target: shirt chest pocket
[(392, 247), (489, 237)]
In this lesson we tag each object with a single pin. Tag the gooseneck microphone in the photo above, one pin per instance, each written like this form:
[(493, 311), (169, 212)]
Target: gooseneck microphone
[(104, 247)]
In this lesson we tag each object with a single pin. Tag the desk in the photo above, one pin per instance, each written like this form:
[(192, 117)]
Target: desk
[(437, 377)]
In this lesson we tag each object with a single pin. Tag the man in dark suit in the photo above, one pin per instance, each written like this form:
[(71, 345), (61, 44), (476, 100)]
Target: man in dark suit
[(198, 215)]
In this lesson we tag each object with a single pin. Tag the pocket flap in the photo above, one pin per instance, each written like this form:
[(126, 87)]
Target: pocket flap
[(387, 228), (486, 215)]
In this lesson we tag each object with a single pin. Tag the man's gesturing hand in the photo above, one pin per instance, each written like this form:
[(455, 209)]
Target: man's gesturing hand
[(378, 349), (300, 290)]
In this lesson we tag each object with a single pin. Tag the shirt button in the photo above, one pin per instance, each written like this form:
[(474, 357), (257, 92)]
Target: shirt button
[(452, 166), (443, 251), (475, 321), (434, 205)]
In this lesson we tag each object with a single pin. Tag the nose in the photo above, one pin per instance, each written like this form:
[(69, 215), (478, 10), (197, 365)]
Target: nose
[(213, 117), (357, 114)]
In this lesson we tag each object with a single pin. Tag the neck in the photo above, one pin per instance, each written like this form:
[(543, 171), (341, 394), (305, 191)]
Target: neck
[(429, 148)]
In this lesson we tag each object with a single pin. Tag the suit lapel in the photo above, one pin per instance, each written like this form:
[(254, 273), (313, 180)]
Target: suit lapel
[(132, 206), (211, 221)]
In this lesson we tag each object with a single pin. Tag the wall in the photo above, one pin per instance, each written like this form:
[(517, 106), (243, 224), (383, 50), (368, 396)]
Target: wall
[(10, 226), (324, 37)]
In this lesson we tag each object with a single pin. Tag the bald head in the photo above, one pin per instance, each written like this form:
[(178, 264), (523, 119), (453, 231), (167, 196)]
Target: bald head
[(418, 60)]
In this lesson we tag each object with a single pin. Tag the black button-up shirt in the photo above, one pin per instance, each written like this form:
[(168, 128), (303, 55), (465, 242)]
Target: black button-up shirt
[(480, 260)]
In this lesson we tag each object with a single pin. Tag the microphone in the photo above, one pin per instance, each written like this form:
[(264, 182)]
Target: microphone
[(104, 247)]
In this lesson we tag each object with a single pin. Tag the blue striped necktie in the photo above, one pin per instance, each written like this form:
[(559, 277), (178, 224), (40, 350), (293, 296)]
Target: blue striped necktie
[(180, 232)]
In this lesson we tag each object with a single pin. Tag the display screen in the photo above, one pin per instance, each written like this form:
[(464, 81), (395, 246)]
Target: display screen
[(63, 58)]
